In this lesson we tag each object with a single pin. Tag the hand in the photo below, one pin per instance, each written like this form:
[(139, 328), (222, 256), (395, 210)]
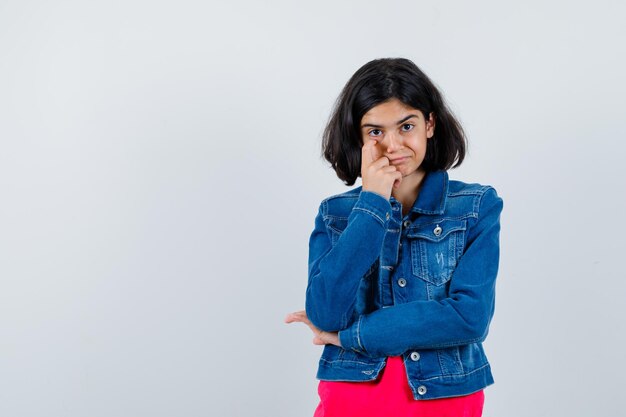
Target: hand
[(321, 337), (376, 172)]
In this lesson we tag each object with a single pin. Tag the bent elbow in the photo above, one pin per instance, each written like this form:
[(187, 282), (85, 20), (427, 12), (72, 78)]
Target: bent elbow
[(322, 318), (478, 331), (473, 327)]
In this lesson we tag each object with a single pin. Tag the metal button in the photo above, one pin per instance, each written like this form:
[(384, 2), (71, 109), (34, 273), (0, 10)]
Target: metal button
[(407, 223), (421, 390), (387, 216), (402, 282), (437, 230), (415, 356)]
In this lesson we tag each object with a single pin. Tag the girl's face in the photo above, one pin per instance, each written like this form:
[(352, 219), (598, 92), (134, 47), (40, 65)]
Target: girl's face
[(400, 133)]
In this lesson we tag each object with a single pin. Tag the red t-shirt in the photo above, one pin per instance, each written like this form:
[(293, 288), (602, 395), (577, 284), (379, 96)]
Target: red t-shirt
[(390, 396)]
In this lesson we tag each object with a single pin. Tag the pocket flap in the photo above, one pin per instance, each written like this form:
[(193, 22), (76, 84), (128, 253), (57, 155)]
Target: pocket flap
[(436, 231), (337, 224)]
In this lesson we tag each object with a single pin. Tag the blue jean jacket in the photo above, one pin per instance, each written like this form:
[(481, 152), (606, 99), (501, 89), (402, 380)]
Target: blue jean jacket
[(421, 286)]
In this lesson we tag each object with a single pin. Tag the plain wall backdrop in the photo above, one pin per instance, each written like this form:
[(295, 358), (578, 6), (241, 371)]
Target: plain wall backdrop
[(160, 172)]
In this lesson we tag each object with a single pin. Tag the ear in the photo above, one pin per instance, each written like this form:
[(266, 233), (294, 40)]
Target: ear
[(430, 125)]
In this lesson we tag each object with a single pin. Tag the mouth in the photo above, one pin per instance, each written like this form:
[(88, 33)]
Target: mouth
[(401, 159)]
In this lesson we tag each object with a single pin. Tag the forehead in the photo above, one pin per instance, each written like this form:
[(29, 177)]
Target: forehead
[(392, 109)]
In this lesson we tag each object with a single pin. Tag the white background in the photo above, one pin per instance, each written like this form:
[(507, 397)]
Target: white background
[(160, 171)]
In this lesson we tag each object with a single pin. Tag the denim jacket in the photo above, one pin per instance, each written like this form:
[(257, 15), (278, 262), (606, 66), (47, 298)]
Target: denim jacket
[(421, 286)]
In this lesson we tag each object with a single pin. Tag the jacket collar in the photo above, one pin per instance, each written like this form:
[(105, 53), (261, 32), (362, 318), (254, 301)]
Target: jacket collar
[(432, 196)]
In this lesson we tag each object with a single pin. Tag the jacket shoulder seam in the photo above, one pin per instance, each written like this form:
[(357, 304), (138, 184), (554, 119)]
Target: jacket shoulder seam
[(342, 195), (473, 188), (484, 190)]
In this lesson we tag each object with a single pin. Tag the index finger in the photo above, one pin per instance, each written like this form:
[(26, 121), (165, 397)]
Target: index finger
[(367, 153), (297, 316)]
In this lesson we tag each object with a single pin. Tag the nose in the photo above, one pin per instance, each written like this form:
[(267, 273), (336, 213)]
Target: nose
[(393, 142)]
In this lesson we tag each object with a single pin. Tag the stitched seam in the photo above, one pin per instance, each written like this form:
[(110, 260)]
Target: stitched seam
[(480, 199), (451, 344), (332, 197), (348, 361), (419, 210), (358, 334), (380, 220), (333, 217), (324, 208), (454, 376), (462, 193), (441, 220)]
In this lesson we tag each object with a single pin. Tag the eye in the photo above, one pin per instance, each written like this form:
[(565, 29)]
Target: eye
[(371, 133), (410, 127)]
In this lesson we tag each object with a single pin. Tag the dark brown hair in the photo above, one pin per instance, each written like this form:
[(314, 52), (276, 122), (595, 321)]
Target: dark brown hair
[(374, 83)]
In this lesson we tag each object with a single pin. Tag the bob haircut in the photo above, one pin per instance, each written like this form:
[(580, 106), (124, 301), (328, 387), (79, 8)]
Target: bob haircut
[(374, 83)]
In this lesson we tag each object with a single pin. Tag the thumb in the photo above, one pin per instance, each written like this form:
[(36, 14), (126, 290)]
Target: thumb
[(397, 181)]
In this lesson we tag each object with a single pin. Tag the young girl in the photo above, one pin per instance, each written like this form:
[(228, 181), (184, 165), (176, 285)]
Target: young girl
[(402, 270)]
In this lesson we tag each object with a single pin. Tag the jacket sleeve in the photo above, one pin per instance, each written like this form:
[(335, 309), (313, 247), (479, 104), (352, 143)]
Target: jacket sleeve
[(334, 272), (461, 318)]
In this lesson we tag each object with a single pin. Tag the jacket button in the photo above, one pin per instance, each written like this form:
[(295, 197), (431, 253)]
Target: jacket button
[(421, 390), (415, 356), (387, 216), (407, 223), (437, 230), (402, 282)]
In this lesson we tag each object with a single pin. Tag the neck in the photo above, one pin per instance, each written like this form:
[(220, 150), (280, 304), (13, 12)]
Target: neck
[(409, 188)]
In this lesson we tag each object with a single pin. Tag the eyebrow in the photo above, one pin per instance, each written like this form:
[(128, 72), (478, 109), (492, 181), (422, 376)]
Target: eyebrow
[(399, 122)]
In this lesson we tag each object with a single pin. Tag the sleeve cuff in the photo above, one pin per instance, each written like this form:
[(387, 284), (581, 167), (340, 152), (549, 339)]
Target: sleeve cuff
[(374, 204), (350, 337)]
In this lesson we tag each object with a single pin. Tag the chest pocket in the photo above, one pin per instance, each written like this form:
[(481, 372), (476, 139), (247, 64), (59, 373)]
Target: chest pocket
[(436, 248), (336, 225)]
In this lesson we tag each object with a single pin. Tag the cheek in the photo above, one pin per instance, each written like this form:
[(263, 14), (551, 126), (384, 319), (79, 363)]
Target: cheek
[(417, 143)]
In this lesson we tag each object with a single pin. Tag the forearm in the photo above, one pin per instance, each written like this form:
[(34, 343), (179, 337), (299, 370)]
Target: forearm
[(335, 273), (419, 325)]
